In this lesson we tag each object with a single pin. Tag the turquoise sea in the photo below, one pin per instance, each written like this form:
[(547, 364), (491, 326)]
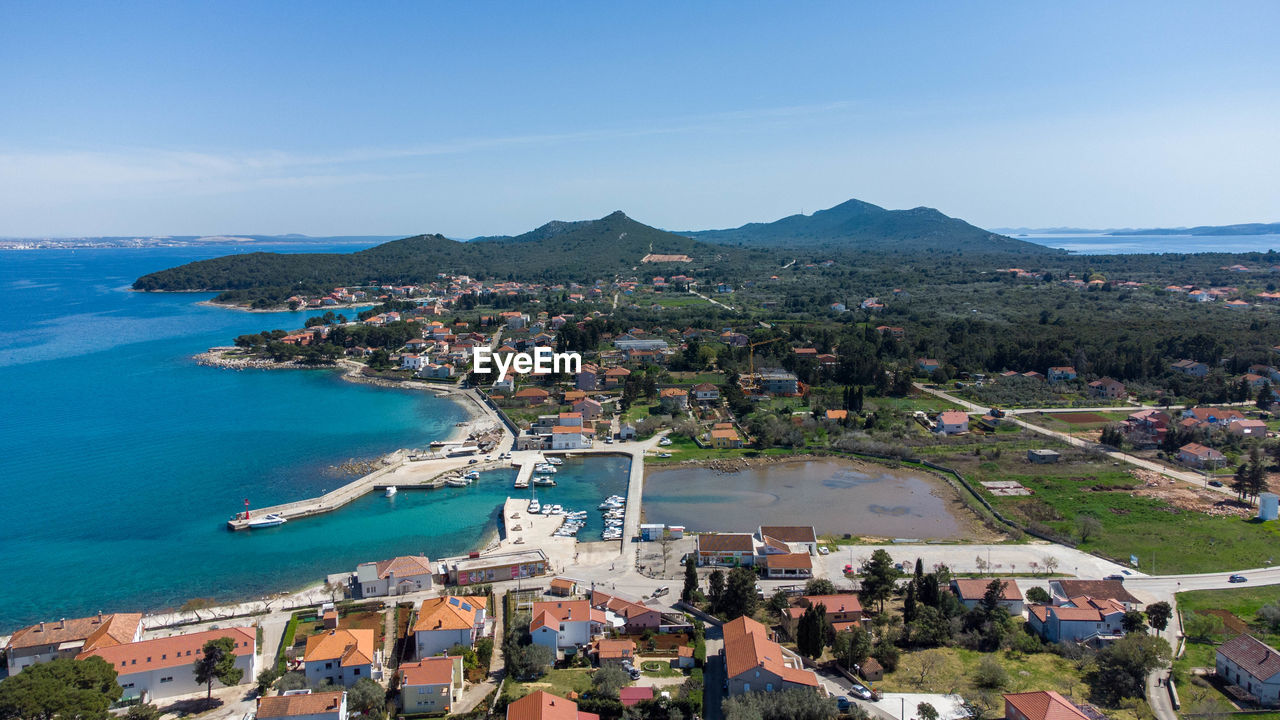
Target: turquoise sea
[(121, 459)]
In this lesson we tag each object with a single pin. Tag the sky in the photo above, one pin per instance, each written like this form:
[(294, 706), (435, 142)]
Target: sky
[(492, 118)]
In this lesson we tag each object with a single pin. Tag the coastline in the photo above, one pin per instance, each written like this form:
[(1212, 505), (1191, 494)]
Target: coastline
[(273, 309)]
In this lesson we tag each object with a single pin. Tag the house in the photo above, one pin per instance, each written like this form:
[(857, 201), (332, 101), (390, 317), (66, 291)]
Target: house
[(304, 705), (563, 587), (1042, 705), (1251, 665), (542, 705), (844, 610), (952, 422), (629, 696), (1080, 619), (560, 624), (837, 415), (627, 432), (431, 685), (1247, 428), (1106, 388), (1064, 590), (678, 396), (47, 641), (636, 616), (447, 621), (532, 396), (341, 657), (615, 377), (684, 658), (412, 361), (613, 651), (1043, 457), (587, 378), (161, 668), (777, 381), (927, 365), (725, 439), (971, 592), (706, 392), (588, 408), (726, 549), (1061, 373), (787, 565), (1212, 416), (397, 576), (571, 437), (1197, 455), (799, 538), (892, 331), (755, 663), (1191, 367)]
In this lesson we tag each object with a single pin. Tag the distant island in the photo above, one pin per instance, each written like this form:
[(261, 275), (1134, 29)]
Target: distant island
[(150, 241), (1199, 230)]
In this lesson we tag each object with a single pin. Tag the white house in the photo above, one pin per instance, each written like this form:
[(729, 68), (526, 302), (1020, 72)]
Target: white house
[(1082, 619), (1251, 665), (413, 361), (341, 657), (163, 667), (706, 392), (560, 624), (447, 621), (304, 705), (570, 437), (972, 591), (952, 422), (397, 576), (431, 685)]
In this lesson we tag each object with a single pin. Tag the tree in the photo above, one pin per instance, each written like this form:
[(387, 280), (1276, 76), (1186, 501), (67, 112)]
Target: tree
[(690, 590), (1269, 614), (528, 661), (809, 630), (931, 628), (609, 679), (1133, 621), (1158, 615), (368, 697), (1121, 668), (217, 661), (783, 705), (852, 647), (61, 688), (266, 677), (990, 674), (925, 711), (909, 604), (879, 577), (819, 586), (992, 595), (1201, 627), (143, 712), (1088, 527), (292, 680), (740, 596), (779, 601), (715, 587), (1039, 595)]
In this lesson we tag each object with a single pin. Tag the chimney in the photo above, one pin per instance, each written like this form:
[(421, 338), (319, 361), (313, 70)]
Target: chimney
[(41, 626), (99, 617), (62, 623)]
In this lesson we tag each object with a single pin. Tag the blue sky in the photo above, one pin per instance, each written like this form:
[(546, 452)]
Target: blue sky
[(486, 118)]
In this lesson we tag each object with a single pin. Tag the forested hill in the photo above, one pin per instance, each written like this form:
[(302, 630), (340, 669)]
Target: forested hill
[(556, 252), (862, 226)]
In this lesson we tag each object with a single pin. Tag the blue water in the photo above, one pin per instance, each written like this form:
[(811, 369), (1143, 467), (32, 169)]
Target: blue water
[(121, 459), (1141, 244)]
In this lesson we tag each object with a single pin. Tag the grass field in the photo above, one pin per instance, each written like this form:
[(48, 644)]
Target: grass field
[(1074, 422), (1242, 602), (1164, 538), (557, 682)]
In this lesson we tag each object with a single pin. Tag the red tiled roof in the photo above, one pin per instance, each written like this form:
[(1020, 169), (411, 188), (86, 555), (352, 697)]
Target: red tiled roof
[(1044, 705), (160, 653), (1252, 655), (970, 589), (294, 705), (428, 671)]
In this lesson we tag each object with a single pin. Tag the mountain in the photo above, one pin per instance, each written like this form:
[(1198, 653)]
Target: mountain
[(556, 252), (863, 226), (1241, 229)]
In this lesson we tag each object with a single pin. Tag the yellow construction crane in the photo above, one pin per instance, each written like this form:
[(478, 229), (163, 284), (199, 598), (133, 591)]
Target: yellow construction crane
[(751, 352)]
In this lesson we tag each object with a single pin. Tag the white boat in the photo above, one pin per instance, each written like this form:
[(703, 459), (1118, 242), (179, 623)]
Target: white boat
[(269, 520), (544, 481), (522, 484), (473, 475), (391, 490), (544, 469), (555, 461), (457, 482), (535, 506)]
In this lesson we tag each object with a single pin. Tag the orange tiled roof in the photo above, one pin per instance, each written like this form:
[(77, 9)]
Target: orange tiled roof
[(294, 705), (747, 646), (404, 566), (170, 651), (428, 671), (349, 647), (96, 631), (1044, 705), (451, 612)]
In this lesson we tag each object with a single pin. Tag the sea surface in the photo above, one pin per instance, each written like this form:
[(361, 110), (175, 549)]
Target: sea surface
[(834, 496), (121, 459), (1139, 244)]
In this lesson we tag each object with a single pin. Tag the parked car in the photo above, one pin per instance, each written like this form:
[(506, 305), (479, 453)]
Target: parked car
[(824, 550), (1237, 579), (661, 591), (861, 691), (844, 702), (1216, 483)]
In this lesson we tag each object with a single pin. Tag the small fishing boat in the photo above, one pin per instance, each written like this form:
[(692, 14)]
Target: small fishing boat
[(535, 507), (522, 484), (457, 482), (473, 475), (544, 481), (544, 469), (555, 461), (391, 491), (268, 520)]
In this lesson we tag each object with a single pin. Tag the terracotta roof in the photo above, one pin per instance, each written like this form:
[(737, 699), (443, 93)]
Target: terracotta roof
[(843, 603), (553, 612), (725, 542), (704, 387), (349, 647), (404, 566), (672, 392), (160, 653), (613, 649), (971, 589), (293, 705), (953, 417), (747, 647), (451, 612), (562, 583), (533, 392), (428, 671), (728, 434), (542, 705), (1113, 589), (1044, 705), (791, 561), (632, 695), (620, 606), (1252, 656), (837, 414), (791, 533), (96, 631)]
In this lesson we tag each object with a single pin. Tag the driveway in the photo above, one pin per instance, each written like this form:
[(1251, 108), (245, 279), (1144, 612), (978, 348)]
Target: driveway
[(713, 675)]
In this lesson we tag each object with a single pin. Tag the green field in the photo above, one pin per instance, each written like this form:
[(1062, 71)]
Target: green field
[(1165, 538), (557, 682)]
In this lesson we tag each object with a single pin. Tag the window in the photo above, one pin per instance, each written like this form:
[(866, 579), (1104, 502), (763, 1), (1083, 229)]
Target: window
[(746, 687), (328, 666), (357, 671), (166, 679), (768, 687)]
